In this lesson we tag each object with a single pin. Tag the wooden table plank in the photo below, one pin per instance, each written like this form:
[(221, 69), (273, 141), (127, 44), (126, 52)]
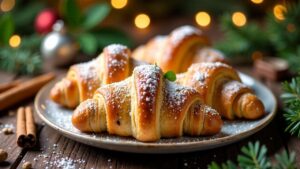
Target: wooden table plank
[(8, 142)]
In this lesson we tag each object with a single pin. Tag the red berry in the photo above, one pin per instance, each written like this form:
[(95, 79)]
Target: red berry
[(45, 20)]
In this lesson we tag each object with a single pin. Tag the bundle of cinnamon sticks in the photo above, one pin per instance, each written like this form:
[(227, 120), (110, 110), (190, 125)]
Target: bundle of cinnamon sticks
[(26, 130), (16, 91)]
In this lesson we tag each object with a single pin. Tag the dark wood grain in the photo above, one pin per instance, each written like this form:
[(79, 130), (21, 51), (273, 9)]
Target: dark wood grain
[(7, 119)]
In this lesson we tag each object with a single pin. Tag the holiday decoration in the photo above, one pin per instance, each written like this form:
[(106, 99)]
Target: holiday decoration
[(271, 69), (58, 47), (45, 20)]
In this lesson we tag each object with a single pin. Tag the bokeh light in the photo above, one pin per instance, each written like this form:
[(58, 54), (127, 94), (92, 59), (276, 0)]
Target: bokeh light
[(239, 19), (257, 1), (142, 21), (203, 19), (15, 41), (118, 4), (7, 5), (279, 11)]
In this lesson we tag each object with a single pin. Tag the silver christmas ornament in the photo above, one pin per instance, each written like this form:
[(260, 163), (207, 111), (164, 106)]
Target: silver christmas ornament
[(57, 47)]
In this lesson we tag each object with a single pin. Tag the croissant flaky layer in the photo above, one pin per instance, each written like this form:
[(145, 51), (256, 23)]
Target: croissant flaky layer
[(112, 65), (147, 107), (220, 87), (177, 51)]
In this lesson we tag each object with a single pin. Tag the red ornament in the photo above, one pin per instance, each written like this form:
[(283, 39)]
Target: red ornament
[(45, 20)]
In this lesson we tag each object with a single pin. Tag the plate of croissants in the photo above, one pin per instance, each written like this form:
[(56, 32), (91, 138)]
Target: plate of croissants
[(124, 100)]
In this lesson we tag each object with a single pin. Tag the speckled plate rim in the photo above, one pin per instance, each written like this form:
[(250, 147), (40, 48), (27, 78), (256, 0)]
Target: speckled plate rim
[(153, 147)]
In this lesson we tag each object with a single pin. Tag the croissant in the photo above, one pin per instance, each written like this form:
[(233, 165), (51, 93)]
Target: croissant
[(220, 87), (147, 107), (177, 51), (113, 65)]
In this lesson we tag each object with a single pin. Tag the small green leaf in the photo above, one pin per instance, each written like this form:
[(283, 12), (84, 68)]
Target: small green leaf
[(95, 14), (170, 75), (25, 15), (72, 12), (88, 43), (6, 28)]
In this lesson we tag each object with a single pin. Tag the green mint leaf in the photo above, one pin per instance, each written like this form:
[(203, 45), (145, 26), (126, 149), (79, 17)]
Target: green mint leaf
[(95, 15), (170, 75)]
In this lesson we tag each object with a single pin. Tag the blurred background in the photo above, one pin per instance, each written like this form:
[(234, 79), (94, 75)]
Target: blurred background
[(34, 31)]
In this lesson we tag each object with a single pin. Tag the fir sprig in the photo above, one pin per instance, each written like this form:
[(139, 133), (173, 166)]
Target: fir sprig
[(279, 38), (24, 59), (291, 100), (254, 157), (20, 61)]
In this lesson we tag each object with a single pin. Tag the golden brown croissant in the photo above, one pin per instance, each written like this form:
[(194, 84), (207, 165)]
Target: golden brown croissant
[(177, 51), (147, 107), (220, 87), (113, 65)]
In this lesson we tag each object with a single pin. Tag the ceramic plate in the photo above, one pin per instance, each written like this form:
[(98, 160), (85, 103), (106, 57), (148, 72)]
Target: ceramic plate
[(60, 119)]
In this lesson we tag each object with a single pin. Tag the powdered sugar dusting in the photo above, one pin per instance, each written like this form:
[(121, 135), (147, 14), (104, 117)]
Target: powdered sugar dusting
[(119, 94), (213, 65), (200, 76), (117, 58), (7, 126), (209, 110), (183, 32), (89, 75), (234, 87), (148, 79), (116, 49), (89, 105), (176, 96)]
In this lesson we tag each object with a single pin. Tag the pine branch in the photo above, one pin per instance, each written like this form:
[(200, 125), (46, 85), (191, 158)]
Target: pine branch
[(285, 160), (291, 100), (254, 157), (20, 61)]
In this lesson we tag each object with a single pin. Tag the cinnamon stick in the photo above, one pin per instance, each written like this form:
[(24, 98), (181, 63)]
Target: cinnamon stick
[(24, 90), (21, 126), (9, 85), (26, 131)]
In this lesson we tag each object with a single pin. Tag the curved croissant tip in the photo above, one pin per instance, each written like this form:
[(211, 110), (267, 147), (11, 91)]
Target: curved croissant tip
[(56, 94), (255, 108), (212, 123), (81, 115)]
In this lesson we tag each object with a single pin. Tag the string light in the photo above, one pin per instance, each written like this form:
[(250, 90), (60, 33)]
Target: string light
[(279, 11), (15, 41), (118, 4), (7, 5), (202, 19), (239, 19), (257, 1), (142, 21)]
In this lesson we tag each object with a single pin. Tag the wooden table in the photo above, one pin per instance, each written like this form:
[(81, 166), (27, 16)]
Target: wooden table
[(56, 150)]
